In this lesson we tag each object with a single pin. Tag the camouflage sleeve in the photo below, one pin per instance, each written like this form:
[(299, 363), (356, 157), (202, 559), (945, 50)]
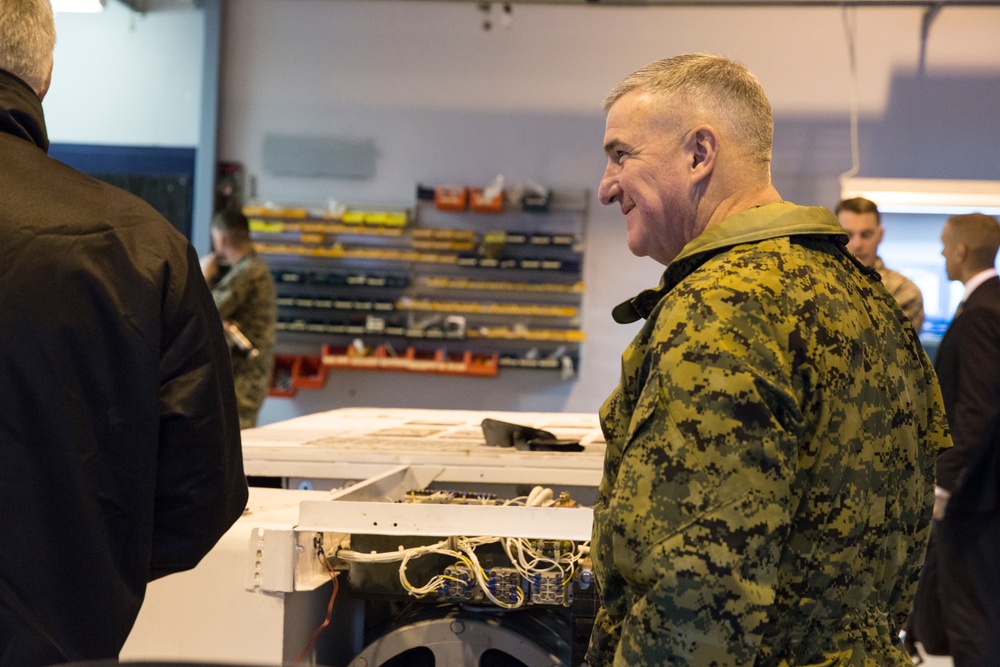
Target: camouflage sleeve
[(607, 624), (231, 292), (701, 505), (606, 633), (907, 295), (912, 302)]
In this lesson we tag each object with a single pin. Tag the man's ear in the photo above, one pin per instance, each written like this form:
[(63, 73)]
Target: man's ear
[(703, 147)]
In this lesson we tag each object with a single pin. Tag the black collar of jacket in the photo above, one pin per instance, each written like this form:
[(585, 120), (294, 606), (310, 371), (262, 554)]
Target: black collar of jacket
[(21, 111), (640, 306)]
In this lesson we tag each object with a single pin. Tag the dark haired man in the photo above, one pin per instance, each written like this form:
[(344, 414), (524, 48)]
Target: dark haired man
[(245, 295), (862, 221)]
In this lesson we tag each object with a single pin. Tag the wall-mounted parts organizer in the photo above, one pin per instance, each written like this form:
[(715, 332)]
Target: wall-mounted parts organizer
[(431, 288)]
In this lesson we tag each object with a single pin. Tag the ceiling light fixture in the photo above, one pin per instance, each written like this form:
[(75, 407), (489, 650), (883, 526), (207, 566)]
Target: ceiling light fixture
[(78, 6), (926, 195)]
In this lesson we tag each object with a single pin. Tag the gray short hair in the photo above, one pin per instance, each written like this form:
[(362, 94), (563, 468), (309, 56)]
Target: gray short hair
[(980, 233), (27, 39), (715, 83)]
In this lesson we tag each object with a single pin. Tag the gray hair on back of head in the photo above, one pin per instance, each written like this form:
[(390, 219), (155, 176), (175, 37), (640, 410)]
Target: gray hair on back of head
[(27, 40)]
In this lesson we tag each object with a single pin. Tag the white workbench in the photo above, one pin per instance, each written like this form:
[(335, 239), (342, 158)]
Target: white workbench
[(328, 449)]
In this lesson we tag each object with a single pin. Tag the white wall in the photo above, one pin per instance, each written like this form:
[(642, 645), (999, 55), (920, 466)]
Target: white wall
[(126, 79), (446, 101)]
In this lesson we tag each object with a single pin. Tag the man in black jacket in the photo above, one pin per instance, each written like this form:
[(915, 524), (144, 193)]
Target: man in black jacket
[(119, 441), (958, 601)]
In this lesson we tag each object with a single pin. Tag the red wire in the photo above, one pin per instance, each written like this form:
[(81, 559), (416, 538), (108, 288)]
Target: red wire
[(329, 607)]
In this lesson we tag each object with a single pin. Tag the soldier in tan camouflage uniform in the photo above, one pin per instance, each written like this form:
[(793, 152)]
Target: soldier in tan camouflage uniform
[(246, 297), (862, 221), (770, 467)]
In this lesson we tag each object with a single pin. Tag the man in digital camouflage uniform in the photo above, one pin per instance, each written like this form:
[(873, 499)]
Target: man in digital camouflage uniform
[(246, 298), (862, 221), (769, 476)]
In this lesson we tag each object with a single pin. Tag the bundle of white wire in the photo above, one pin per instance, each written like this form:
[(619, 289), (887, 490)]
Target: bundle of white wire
[(528, 561)]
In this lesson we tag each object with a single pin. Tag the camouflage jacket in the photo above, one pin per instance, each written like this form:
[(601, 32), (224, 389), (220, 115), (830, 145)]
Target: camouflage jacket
[(245, 295), (769, 475)]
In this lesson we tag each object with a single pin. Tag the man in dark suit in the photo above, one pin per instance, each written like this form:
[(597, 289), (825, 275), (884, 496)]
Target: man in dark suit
[(964, 550)]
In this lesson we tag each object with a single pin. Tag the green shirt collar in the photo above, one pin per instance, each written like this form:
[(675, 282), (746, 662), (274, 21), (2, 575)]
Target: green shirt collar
[(753, 225)]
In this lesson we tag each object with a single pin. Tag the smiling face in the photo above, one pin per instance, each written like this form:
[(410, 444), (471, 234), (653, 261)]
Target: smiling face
[(649, 176)]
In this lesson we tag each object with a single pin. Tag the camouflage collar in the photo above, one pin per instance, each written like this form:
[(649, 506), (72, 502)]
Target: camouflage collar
[(756, 224)]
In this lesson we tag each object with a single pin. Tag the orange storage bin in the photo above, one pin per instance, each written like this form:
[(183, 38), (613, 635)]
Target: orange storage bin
[(481, 204), (310, 373), (283, 376), (451, 198)]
